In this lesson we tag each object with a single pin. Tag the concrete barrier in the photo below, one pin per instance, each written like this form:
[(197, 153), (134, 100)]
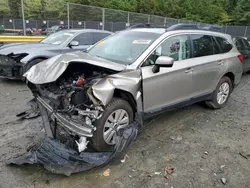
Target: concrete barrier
[(21, 38)]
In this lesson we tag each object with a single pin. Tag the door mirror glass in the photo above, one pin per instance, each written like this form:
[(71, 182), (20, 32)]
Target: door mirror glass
[(163, 61), (73, 43)]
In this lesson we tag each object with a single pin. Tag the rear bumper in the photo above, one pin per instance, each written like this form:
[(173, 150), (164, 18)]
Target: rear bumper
[(10, 69), (51, 118)]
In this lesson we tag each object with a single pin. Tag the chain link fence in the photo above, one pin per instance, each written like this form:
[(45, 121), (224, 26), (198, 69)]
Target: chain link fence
[(89, 17)]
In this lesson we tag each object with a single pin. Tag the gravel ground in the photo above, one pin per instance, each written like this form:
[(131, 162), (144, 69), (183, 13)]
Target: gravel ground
[(201, 145)]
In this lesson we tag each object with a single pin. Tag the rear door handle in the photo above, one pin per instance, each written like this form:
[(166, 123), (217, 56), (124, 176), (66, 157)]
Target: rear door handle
[(189, 70), (221, 62)]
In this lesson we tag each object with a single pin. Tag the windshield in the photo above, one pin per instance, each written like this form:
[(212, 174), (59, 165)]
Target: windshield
[(57, 38), (124, 47), (54, 28)]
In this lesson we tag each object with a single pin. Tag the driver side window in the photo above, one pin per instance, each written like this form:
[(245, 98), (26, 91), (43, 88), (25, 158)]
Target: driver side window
[(176, 47), (85, 39)]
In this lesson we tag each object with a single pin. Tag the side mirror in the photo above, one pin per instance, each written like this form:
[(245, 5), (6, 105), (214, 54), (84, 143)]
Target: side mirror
[(162, 61), (73, 43)]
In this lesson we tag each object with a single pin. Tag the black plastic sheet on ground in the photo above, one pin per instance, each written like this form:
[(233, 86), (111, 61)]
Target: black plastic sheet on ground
[(59, 159), (32, 112)]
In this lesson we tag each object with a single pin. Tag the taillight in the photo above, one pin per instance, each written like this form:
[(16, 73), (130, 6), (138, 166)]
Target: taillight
[(241, 58)]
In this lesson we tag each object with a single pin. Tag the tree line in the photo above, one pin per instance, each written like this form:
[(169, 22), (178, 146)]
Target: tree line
[(231, 12)]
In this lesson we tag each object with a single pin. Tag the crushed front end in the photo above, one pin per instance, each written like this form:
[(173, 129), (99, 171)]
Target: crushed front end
[(11, 67), (68, 106)]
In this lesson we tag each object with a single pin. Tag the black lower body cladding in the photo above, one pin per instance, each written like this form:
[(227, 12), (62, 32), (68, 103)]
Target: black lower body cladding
[(9, 68)]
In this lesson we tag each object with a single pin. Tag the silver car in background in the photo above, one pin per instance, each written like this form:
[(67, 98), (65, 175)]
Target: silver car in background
[(130, 76)]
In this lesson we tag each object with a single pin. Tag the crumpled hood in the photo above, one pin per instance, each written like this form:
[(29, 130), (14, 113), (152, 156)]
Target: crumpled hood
[(18, 48), (50, 70)]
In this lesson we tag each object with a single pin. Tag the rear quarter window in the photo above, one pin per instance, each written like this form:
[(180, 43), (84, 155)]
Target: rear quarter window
[(224, 44)]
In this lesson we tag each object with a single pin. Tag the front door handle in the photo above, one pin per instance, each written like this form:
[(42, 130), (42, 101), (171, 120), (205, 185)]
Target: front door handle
[(189, 70)]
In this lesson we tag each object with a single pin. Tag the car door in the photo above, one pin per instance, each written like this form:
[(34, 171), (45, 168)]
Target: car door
[(85, 40), (171, 85), (208, 64), (246, 53)]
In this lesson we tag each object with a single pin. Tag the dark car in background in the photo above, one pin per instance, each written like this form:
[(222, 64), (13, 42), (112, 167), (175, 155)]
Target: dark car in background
[(243, 47), (17, 58), (248, 39), (56, 28)]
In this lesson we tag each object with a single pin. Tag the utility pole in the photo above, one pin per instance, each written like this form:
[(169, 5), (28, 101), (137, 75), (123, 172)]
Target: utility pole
[(24, 24), (68, 14), (103, 18)]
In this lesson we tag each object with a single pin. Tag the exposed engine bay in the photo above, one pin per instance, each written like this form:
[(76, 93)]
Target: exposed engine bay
[(69, 100), (73, 88)]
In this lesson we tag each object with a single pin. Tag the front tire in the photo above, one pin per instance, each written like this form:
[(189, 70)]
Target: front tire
[(117, 112), (221, 94)]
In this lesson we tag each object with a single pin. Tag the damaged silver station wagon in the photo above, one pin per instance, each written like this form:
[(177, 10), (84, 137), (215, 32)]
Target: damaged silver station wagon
[(129, 76)]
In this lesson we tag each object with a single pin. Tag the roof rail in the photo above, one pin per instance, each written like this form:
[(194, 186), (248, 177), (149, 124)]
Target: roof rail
[(213, 28), (182, 26), (141, 25)]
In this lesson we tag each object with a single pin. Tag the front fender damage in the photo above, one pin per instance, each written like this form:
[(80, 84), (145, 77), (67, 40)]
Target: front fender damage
[(128, 81)]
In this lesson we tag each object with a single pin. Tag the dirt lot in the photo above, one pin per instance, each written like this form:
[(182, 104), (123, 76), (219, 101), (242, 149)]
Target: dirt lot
[(201, 145)]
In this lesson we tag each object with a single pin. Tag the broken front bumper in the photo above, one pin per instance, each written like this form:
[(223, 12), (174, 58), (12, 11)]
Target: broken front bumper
[(51, 119), (9, 68)]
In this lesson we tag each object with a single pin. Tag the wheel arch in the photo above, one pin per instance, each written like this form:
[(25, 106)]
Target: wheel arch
[(126, 96), (231, 76), (29, 63), (38, 57)]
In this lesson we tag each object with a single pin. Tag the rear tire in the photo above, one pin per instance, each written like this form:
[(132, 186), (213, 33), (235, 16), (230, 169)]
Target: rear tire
[(115, 104), (221, 94)]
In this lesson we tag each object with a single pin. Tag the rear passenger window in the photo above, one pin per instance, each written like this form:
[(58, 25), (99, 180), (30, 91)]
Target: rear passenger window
[(202, 45), (224, 44), (216, 47)]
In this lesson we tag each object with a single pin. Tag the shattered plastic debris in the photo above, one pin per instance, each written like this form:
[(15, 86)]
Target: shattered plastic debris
[(223, 180), (60, 159), (222, 166), (168, 170), (176, 138), (157, 173), (124, 159), (244, 155), (82, 144), (106, 172)]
